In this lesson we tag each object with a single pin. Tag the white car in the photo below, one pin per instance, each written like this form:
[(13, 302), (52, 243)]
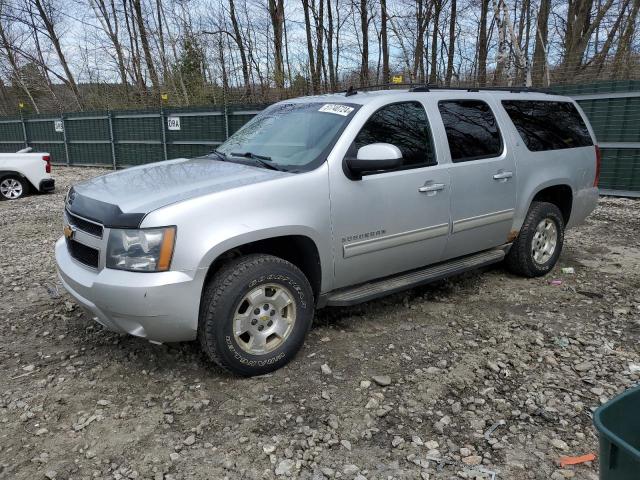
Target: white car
[(22, 172)]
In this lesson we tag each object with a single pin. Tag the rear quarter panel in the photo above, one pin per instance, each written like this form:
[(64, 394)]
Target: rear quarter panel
[(575, 167), (29, 165)]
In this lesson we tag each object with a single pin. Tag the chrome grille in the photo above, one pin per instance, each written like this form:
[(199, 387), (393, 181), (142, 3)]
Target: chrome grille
[(87, 226)]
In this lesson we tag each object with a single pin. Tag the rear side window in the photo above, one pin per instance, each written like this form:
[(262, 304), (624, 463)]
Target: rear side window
[(404, 125), (548, 125), (472, 130)]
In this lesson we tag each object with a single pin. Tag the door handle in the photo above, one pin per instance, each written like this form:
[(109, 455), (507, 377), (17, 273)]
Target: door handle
[(433, 187), (503, 175)]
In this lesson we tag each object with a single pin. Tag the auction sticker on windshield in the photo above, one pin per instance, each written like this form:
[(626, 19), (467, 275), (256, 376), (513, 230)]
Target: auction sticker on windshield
[(336, 108)]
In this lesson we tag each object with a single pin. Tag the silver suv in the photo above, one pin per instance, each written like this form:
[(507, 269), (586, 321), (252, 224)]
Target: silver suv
[(322, 201)]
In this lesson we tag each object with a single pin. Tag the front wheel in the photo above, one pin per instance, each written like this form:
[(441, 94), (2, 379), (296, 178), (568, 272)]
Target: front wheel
[(255, 314), (539, 243)]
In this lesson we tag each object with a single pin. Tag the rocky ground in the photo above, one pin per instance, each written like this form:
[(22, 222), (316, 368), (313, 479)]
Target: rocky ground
[(482, 376)]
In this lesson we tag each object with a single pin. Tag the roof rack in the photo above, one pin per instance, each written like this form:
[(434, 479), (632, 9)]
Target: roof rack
[(381, 86), (417, 87), (428, 88)]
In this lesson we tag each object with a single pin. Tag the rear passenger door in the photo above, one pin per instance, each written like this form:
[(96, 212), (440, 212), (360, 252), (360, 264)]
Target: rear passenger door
[(482, 172)]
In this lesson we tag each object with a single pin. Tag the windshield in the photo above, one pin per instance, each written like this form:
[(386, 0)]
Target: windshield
[(290, 135)]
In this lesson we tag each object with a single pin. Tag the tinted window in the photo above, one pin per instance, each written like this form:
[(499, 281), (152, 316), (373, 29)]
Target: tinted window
[(472, 130), (404, 125), (548, 125)]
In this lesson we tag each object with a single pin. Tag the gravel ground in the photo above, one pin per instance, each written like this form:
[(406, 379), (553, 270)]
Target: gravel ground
[(486, 372)]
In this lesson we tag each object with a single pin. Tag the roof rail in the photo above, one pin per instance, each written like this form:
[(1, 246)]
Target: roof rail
[(421, 87), (428, 88), (381, 86)]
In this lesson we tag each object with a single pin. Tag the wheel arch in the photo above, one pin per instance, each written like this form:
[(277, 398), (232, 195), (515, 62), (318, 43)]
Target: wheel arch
[(14, 173), (561, 195), (298, 248)]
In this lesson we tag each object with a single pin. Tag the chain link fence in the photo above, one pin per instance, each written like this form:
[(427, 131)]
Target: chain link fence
[(133, 137)]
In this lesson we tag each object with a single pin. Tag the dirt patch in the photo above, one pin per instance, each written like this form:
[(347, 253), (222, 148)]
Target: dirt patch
[(489, 373)]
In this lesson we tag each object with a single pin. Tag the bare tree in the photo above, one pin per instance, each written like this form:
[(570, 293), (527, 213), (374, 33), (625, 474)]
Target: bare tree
[(483, 47), (384, 41), (433, 75), (581, 22), (276, 12), (542, 41), (107, 16), (452, 43), (47, 17), (144, 40), (364, 28)]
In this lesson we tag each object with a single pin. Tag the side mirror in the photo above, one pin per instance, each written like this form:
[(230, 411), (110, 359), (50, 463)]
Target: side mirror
[(373, 158)]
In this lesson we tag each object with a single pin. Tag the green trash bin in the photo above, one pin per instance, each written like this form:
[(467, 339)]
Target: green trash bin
[(618, 423)]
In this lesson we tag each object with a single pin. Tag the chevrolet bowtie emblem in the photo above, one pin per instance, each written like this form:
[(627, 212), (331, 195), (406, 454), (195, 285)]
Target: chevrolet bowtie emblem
[(68, 231)]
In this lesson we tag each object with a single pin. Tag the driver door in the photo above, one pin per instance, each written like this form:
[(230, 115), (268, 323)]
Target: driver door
[(391, 221)]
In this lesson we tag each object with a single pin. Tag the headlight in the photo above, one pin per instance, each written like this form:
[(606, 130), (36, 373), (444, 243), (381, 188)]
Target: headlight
[(146, 250)]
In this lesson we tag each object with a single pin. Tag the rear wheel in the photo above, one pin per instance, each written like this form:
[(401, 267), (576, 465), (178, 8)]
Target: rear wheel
[(255, 314), (539, 243), (13, 187)]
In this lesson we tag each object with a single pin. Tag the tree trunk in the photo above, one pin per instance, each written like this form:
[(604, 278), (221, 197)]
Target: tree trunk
[(423, 15), (319, 20), (501, 57), (364, 27), (331, 67), (384, 41), (542, 39), (581, 23), (310, 52), (452, 44), (621, 60), (483, 49), (276, 12), (433, 76), (144, 39), (238, 38)]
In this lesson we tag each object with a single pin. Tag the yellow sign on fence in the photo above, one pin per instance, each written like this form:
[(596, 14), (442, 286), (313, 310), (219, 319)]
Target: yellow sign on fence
[(396, 79)]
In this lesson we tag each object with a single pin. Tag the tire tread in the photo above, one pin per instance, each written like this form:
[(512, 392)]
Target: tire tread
[(518, 259), (217, 287)]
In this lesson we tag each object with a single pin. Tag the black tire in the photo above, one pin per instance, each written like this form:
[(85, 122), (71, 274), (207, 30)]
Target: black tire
[(222, 297), (23, 185), (520, 259)]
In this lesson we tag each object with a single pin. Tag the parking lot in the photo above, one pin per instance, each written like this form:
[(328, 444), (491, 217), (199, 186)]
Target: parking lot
[(482, 376)]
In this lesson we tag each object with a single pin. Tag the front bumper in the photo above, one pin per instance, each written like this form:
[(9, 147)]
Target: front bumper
[(47, 185), (161, 307)]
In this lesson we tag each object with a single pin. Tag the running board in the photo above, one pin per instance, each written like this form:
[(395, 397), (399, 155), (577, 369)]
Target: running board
[(403, 281)]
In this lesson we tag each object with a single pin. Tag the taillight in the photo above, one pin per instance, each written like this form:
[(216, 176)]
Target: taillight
[(598, 162), (47, 160)]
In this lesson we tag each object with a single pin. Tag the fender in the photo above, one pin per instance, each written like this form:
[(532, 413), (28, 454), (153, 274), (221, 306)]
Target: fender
[(326, 260)]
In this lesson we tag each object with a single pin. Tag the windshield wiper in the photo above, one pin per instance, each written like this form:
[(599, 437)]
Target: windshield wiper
[(219, 154), (263, 160), (251, 155)]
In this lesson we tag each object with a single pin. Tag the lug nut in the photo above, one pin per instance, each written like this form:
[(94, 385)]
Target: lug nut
[(270, 322), (257, 311), (254, 321), (266, 306), (261, 327), (272, 313)]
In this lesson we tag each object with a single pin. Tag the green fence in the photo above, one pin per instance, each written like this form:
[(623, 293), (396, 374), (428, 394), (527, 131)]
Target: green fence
[(125, 138), (613, 109)]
